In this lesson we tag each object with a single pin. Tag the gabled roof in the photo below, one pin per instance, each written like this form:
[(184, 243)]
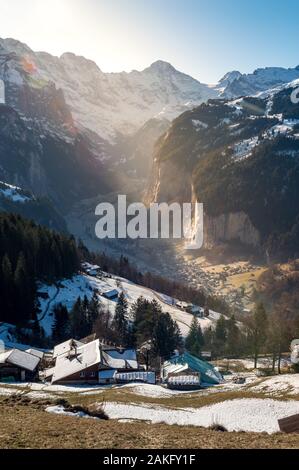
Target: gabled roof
[(208, 372), (20, 359), (120, 359), (66, 347), (110, 293), (169, 368), (35, 352), (84, 357)]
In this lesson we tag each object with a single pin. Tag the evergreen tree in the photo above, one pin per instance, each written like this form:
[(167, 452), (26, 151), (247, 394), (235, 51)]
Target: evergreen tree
[(220, 337), (93, 309), (78, 320), (258, 325), (7, 290), (61, 326), (195, 340), (233, 337), (119, 321), (166, 336), (25, 286)]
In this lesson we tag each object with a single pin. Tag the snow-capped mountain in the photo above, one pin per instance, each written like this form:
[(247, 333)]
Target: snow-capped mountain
[(227, 79), (235, 84), (239, 157), (106, 103)]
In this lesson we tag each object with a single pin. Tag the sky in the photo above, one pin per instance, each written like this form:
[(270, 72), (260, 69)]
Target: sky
[(203, 38)]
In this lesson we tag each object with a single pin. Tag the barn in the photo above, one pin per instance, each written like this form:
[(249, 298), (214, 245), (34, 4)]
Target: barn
[(19, 366)]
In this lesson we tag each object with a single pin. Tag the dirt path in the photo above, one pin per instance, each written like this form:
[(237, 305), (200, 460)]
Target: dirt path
[(49, 304)]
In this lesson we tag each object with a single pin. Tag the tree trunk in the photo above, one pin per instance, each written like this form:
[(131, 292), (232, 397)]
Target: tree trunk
[(279, 361), (255, 360), (273, 361)]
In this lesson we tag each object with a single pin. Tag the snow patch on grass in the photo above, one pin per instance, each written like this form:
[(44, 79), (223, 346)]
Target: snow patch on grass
[(249, 415)]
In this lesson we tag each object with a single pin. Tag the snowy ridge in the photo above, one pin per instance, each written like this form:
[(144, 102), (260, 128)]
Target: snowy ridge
[(106, 103), (259, 81)]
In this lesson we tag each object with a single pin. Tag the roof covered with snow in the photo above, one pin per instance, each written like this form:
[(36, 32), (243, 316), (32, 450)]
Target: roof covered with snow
[(84, 357), (120, 359), (20, 359), (111, 293), (65, 347), (35, 352)]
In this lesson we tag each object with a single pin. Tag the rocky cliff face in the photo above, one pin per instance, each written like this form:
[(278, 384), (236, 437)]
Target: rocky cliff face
[(170, 183), (231, 227), (240, 159)]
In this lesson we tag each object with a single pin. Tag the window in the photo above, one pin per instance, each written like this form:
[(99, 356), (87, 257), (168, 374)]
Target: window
[(92, 374), (82, 374)]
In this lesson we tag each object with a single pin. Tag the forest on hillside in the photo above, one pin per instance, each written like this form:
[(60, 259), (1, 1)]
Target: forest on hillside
[(30, 253)]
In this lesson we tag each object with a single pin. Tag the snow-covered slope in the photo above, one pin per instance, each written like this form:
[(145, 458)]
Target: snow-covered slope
[(107, 103), (14, 193), (236, 84), (68, 290)]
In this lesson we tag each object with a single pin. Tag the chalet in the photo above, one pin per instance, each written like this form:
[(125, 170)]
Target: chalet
[(94, 363), (91, 269), (16, 365), (187, 363), (110, 294), (79, 364)]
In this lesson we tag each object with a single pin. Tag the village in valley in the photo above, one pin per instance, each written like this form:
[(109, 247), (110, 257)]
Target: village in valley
[(106, 380)]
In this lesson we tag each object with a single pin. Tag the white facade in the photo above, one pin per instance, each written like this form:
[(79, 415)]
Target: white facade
[(2, 92)]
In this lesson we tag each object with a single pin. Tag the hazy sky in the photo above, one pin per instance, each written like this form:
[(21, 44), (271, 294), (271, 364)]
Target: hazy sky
[(204, 38)]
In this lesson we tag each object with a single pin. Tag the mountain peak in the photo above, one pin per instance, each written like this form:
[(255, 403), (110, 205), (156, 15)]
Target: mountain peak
[(13, 45), (229, 77), (161, 66), (71, 58)]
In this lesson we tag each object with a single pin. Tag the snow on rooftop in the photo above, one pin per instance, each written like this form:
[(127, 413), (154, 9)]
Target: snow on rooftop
[(35, 352), (117, 360), (20, 359), (65, 347), (169, 368), (85, 356)]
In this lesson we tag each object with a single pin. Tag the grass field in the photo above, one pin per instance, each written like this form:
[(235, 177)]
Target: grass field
[(26, 424), (30, 427)]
